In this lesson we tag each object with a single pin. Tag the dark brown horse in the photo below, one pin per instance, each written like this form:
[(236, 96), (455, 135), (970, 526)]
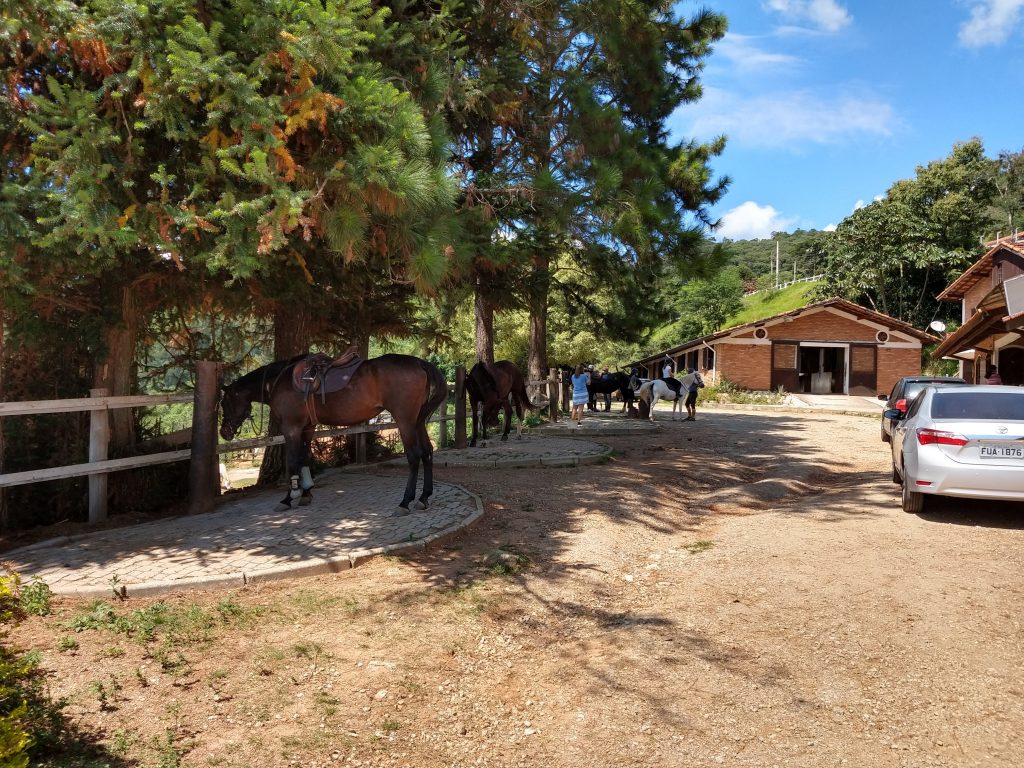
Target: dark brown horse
[(492, 387), (408, 388)]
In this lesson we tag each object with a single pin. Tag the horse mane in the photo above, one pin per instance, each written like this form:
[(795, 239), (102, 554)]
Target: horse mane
[(269, 372)]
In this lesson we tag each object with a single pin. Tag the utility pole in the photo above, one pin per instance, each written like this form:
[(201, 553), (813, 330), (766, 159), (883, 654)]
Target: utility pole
[(777, 264)]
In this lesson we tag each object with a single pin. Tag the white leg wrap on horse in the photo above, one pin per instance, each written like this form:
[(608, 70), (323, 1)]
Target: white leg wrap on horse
[(307, 479), (295, 492)]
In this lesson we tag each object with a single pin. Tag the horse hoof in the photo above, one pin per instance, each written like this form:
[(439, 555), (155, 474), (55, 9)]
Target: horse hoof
[(417, 505), (305, 501), (504, 438), (401, 511), (282, 507)]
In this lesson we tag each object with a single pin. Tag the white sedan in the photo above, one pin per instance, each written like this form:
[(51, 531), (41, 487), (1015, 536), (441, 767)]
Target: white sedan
[(965, 441)]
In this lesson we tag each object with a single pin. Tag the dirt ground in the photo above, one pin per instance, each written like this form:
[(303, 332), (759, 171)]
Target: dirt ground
[(742, 590)]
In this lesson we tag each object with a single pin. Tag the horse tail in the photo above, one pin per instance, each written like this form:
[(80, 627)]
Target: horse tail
[(644, 392), (524, 397), (437, 390)]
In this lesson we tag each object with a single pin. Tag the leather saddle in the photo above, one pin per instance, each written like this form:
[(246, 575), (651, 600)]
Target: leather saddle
[(320, 373)]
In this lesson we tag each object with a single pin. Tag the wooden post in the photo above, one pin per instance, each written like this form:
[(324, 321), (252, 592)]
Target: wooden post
[(566, 393), (99, 442), (553, 395), (442, 425), (204, 469), (460, 407)]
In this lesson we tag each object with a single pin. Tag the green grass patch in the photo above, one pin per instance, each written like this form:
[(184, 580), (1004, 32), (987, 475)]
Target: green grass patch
[(769, 303), (699, 546)]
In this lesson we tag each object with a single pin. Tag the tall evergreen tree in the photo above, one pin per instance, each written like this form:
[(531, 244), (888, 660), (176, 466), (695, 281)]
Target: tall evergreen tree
[(608, 186)]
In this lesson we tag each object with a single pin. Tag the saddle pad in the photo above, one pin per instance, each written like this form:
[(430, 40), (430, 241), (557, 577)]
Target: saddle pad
[(339, 376), (313, 374)]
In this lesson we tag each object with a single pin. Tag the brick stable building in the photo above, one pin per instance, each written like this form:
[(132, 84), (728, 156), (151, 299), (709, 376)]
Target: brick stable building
[(830, 347)]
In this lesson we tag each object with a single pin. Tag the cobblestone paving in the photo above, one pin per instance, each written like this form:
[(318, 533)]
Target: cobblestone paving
[(351, 518)]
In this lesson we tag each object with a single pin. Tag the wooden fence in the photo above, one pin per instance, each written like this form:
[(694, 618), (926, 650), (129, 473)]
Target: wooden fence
[(204, 452)]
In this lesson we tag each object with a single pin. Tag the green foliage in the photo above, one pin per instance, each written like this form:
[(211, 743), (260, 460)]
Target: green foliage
[(29, 721), (727, 392), (801, 253), (897, 254)]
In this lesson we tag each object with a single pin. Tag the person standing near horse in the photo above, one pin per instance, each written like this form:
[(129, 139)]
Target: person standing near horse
[(580, 395), (592, 396), (607, 395), (691, 396)]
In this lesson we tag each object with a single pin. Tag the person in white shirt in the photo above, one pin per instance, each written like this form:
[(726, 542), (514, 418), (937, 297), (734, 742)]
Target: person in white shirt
[(666, 372)]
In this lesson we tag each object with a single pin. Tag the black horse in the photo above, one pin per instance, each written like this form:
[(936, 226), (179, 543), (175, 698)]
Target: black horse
[(614, 382), (409, 388), (494, 386)]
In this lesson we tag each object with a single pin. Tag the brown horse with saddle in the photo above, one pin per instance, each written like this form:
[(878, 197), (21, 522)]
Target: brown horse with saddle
[(309, 390)]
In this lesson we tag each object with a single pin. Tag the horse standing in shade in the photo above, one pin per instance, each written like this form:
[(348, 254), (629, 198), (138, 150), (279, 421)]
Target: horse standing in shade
[(409, 388), (674, 389), (494, 386), (615, 382)]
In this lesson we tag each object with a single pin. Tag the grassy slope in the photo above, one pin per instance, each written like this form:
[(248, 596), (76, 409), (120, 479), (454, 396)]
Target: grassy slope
[(761, 305)]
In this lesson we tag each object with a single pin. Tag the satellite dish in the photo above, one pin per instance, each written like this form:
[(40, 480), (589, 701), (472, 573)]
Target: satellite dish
[(937, 325)]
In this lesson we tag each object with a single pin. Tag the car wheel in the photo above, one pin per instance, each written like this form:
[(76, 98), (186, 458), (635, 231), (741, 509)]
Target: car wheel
[(913, 502)]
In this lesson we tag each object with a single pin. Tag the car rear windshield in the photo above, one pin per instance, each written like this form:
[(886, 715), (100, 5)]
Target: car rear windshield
[(916, 386), (1008, 406)]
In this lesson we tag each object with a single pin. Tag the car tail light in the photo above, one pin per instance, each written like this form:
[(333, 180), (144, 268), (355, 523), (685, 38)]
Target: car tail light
[(901, 404), (937, 437)]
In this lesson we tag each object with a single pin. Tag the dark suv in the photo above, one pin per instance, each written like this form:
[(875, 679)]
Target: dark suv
[(905, 390)]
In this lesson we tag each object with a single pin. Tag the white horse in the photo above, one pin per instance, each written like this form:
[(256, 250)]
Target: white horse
[(674, 389)]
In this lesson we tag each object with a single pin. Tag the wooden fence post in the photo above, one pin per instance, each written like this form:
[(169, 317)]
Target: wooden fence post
[(442, 425), (566, 393), (204, 469), (553, 395), (460, 407), (99, 442)]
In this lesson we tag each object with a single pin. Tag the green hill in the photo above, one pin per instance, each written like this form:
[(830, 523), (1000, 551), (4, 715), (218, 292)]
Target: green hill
[(768, 303)]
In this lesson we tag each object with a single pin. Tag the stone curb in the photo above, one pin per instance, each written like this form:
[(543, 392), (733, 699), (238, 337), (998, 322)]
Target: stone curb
[(337, 564)]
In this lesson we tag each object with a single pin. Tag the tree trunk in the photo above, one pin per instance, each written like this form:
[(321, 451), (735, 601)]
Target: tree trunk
[(116, 373), (5, 522), (358, 446), (291, 337), (538, 303), (484, 312)]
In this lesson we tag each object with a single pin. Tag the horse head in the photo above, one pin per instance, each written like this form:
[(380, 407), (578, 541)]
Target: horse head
[(236, 404)]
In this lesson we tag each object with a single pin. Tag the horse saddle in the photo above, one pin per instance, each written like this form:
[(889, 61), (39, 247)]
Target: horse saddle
[(324, 374)]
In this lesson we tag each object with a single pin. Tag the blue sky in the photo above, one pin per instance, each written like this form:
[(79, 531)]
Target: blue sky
[(826, 103)]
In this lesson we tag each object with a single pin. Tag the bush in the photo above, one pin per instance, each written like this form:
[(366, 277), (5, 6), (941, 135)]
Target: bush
[(727, 392), (27, 718)]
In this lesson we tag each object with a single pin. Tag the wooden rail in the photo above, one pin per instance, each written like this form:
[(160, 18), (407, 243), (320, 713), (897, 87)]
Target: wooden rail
[(205, 450)]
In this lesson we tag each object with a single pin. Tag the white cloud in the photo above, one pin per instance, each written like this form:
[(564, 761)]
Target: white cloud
[(829, 228), (858, 205), (752, 221), (992, 22), (789, 118), (826, 15), (747, 56)]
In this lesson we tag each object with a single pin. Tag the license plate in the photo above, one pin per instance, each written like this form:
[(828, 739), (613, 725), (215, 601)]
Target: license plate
[(1002, 452)]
